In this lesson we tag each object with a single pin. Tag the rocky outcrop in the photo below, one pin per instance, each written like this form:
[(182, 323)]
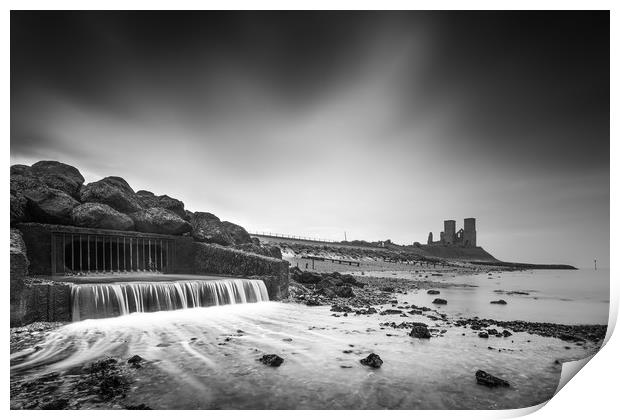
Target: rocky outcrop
[(272, 360), (420, 330), (113, 191), (158, 220), (59, 176), (102, 216), (149, 200), (48, 205), (440, 301)]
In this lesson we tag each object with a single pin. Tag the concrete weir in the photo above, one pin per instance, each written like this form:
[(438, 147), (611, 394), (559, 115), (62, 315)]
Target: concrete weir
[(56, 269)]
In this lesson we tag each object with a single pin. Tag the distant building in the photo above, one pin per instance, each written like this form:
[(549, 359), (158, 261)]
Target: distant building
[(463, 237)]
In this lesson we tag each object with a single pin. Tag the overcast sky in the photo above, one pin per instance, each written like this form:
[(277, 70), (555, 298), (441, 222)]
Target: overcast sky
[(378, 124)]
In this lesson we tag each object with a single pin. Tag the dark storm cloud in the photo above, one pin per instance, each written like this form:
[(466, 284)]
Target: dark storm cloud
[(423, 115)]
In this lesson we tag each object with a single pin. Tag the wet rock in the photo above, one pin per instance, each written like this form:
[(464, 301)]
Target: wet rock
[(483, 334), (135, 361), (506, 333), (59, 176), (492, 331), (433, 292), (141, 406), (113, 191), (489, 380), (372, 360), (271, 360), (48, 205), (309, 277), (499, 302), (440, 301), (420, 330), (149, 200), (158, 220), (100, 216)]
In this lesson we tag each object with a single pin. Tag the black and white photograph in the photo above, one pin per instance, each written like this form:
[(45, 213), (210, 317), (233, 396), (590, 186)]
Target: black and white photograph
[(308, 209)]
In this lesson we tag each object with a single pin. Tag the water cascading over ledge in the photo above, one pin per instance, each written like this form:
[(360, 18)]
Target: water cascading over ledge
[(115, 299)]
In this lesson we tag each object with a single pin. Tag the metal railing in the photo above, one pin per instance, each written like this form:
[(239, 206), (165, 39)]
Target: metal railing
[(295, 237)]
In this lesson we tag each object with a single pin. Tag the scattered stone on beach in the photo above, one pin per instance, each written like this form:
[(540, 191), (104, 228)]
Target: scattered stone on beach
[(391, 312), (271, 360), (483, 334), (439, 301), (420, 330), (372, 360), (499, 302), (340, 308), (433, 292), (506, 333), (387, 289), (489, 380)]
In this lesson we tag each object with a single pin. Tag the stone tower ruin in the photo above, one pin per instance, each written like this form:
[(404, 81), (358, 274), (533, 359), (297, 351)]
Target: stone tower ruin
[(464, 237)]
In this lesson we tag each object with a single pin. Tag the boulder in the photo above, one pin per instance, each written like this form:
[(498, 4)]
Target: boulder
[(271, 360), (59, 176), (113, 191), (489, 380), (499, 302), (440, 301), (344, 291), (23, 179), (207, 227), (483, 334), (372, 360), (48, 205), (102, 216), (267, 250), (433, 292), (149, 200), (309, 277), (158, 220), (420, 330), (238, 233)]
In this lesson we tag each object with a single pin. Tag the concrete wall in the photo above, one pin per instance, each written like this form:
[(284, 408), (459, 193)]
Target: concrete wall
[(216, 259)]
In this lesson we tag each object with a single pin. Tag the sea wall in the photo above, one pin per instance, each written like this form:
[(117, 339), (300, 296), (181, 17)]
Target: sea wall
[(216, 259), (44, 301)]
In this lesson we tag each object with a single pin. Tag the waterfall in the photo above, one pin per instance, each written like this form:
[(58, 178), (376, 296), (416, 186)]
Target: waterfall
[(114, 299)]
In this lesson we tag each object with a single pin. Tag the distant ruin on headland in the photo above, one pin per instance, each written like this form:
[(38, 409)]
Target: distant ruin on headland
[(465, 237)]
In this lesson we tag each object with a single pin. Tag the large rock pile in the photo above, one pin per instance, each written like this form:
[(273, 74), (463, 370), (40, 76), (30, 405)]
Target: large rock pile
[(54, 193)]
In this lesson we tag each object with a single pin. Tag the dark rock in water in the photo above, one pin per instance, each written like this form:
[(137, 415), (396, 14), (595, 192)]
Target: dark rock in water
[(59, 404), (238, 234), (372, 360), (101, 216), (433, 292), (149, 200), (506, 333), (483, 334), (113, 191), (420, 331), (440, 301), (492, 331), (344, 291), (271, 360), (48, 205), (135, 361), (59, 176), (158, 220), (499, 302), (489, 380), (207, 227)]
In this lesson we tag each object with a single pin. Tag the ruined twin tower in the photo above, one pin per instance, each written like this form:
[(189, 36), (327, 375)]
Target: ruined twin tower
[(464, 237)]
